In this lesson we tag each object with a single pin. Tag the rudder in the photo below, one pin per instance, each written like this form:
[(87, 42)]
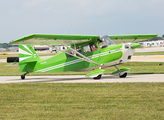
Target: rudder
[(27, 58), (27, 54)]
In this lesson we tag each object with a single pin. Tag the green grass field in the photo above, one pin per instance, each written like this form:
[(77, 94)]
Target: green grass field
[(149, 53), (74, 101), (82, 101), (136, 68)]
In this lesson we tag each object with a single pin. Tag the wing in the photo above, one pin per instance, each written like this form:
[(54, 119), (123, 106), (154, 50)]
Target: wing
[(130, 38), (54, 39), (50, 39)]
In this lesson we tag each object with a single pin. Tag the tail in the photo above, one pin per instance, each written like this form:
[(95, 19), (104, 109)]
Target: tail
[(27, 58), (27, 54)]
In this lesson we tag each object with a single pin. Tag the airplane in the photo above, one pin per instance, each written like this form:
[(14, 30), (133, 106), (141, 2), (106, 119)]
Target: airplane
[(85, 53)]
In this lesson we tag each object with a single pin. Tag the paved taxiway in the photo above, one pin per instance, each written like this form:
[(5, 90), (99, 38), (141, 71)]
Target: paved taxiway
[(82, 79)]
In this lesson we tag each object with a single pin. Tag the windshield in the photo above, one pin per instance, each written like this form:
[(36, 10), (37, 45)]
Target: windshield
[(105, 41)]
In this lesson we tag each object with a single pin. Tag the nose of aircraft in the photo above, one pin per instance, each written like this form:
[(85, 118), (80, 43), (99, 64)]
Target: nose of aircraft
[(135, 45)]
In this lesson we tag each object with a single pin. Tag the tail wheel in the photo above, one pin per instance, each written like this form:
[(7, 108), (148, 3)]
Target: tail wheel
[(22, 77), (123, 76), (98, 77)]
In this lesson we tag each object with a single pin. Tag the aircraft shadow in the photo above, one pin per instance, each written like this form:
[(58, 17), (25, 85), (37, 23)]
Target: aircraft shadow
[(47, 79)]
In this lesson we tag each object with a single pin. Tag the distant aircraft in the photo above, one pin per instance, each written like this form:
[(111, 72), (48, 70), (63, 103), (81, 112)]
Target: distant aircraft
[(85, 53)]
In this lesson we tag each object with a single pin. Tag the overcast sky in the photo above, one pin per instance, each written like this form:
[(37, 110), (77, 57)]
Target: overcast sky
[(86, 17)]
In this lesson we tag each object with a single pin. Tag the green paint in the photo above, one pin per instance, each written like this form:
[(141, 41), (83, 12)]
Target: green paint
[(31, 62), (95, 73), (123, 69), (135, 45), (39, 39)]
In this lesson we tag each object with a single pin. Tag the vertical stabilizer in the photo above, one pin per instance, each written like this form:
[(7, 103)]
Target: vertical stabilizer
[(27, 54)]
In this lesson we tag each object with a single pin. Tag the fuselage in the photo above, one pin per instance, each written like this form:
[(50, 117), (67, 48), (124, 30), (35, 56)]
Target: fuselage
[(113, 54)]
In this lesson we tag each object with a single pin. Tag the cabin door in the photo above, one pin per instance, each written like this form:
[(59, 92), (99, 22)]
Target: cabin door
[(91, 51)]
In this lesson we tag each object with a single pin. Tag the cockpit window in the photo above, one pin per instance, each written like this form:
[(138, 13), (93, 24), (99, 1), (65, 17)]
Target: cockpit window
[(105, 41), (90, 47)]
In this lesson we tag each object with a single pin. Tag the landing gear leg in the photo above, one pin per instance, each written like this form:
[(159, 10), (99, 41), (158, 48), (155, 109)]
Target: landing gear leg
[(23, 76), (121, 76)]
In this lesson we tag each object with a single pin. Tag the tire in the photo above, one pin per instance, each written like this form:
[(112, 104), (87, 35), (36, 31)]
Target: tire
[(123, 76), (98, 77), (22, 77)]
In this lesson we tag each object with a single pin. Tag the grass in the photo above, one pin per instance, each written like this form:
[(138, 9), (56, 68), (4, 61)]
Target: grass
[(149, 53), (136, 68), (79, 101), (9, 55)]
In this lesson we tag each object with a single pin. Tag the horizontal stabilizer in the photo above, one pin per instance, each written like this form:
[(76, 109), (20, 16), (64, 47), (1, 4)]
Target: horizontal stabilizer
[(95, 73)]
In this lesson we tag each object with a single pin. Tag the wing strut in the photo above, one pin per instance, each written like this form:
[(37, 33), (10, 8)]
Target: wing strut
[(69, 53), (134, 40), (87, 59)]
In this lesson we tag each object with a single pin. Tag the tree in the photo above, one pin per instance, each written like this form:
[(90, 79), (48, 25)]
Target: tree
[(163, 35), (4, 45)]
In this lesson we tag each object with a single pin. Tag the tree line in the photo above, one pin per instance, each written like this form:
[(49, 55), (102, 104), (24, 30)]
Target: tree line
[(5, 45)]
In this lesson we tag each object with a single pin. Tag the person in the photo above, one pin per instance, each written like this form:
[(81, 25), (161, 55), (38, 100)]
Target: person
[(94, 47)]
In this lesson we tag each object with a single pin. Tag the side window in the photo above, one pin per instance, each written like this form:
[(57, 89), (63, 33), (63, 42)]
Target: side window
[(90, 47), (70, 53), (102, 44), (86, 48), (93, 46)]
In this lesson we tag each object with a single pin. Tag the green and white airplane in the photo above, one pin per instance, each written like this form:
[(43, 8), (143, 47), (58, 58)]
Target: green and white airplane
[(85, 53)]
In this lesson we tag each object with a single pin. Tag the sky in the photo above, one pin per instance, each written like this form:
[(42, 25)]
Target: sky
[(85, 17)]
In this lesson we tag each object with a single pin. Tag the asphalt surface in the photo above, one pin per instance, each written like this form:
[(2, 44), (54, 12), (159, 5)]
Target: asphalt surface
[(82, 79)]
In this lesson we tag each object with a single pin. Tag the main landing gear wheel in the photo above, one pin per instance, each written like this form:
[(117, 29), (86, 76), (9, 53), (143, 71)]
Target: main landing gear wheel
[(98, 77), (123, 76)]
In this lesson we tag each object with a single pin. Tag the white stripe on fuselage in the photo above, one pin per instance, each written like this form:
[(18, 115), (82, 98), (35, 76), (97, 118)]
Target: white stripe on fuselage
[(77, 61)]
